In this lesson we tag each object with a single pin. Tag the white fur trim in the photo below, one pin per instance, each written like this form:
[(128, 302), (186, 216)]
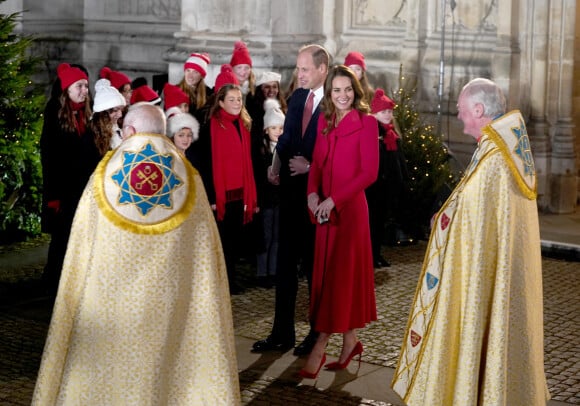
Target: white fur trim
[(182, 120)]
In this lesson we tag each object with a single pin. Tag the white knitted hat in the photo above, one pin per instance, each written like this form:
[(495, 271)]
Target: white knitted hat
[(182, 120), (272, 113), (266, 77), (106, 96)]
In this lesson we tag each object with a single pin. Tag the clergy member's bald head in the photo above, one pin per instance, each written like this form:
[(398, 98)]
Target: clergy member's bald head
[(144, 118)]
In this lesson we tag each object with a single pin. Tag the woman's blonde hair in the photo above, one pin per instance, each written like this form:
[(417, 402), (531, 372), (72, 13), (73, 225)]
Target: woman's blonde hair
[(197, 96)]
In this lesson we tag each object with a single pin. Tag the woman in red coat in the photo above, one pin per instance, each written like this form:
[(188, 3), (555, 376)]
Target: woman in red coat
[(345, 162)]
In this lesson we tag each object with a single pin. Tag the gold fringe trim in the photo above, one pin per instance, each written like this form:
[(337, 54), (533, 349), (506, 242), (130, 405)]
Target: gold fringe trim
[(529, 193)]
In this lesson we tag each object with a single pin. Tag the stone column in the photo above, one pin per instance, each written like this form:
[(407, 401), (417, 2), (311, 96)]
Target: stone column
[(563, 181), (537, 37), (506, 52), (415, 35), (472, 49)]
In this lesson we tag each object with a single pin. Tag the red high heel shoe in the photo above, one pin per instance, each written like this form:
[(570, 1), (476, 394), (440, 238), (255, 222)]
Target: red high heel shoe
[(312, 375), (357, 350)]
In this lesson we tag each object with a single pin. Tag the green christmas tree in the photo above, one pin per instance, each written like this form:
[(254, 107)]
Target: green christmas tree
[(21, 104), (430, 175)]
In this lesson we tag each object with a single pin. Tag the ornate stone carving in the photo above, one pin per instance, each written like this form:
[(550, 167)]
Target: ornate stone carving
[(377, 14), (169, 9), (476, 15)]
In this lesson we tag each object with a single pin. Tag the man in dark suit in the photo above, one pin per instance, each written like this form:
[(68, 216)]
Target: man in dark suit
[(296, 240)]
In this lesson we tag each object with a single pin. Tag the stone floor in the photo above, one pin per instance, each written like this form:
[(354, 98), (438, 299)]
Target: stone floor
[(270, 379), (395, 287)]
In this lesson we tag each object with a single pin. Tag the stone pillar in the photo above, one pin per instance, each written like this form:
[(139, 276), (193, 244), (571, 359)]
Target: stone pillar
[(470, 33), (563, 181), (576, 98), (537, 37), (329, 27), (506, 52), (414, 45)]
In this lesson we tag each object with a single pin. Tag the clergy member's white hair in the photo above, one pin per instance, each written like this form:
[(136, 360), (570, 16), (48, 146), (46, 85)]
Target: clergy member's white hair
[(146, 118), (488, 93)]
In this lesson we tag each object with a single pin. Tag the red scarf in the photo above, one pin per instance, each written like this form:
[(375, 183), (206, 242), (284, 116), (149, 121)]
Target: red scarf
[(220, 127), (79, 109), (391, 137)]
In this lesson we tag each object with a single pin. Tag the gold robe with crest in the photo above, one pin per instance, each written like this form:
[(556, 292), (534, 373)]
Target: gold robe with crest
[(143, 314), (475, 331)]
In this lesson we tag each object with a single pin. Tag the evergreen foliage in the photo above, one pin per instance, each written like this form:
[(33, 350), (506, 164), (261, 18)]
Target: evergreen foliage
[(21, 105), (430, 175)]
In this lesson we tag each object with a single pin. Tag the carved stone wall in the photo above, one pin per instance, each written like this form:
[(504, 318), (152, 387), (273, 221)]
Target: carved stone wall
[(576, 99), (128, 35), (273, 30), (527, 46)]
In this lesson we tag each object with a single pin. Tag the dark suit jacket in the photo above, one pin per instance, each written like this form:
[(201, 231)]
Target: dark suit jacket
[(296, 231), (292, 143)]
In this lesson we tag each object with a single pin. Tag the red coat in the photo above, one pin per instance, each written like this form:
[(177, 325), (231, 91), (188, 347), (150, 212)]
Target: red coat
[(344, 163)]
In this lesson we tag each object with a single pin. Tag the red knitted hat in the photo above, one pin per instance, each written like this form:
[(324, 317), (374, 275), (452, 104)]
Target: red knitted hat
[(381, 102), (198, 62), (117, 79), (69, 75), (241, 55), (355, 58), (145, 94), (174, 96), (226, 76)]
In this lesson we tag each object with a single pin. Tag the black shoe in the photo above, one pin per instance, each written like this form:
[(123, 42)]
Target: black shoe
[(269, 344), (384, 262), (236, 289), (305, 347), (265, 282), (381, 262)]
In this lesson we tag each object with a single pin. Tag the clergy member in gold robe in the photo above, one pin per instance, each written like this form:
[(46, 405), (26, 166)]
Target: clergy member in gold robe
[(475, 332), (143, 314)]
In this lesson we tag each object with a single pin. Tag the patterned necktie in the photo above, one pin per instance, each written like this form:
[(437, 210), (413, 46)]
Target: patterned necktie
[(307, 115)]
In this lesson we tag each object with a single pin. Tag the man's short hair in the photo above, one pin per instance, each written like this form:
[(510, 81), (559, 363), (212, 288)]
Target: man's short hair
[(488, 93), (146, 118), (320, 55)]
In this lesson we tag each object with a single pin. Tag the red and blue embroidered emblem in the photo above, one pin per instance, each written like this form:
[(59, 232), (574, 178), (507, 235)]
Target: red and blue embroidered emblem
[(146, 179)]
